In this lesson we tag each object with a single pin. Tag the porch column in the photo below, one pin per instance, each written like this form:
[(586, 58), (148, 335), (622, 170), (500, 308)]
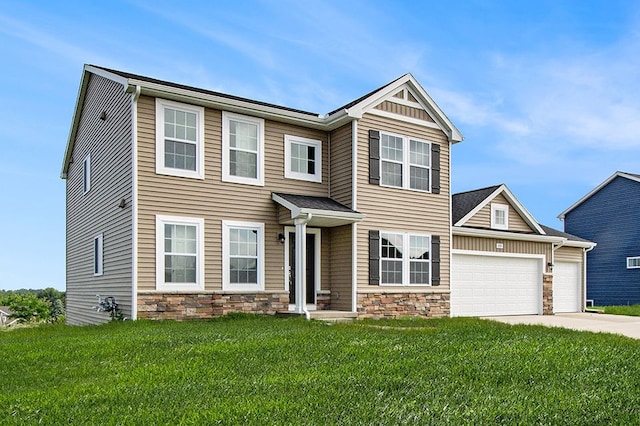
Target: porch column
[(301, 264)]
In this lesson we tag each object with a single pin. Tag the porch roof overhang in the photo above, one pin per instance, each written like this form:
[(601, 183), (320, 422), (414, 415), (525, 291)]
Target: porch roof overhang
[(321, 211)]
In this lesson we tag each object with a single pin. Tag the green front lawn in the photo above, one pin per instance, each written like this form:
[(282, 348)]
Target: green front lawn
[(632, 310), (264, 370)]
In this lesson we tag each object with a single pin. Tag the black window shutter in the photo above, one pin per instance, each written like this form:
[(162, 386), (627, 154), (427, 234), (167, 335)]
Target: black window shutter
[(374, 257), (435, 260), (374, 157), (435, 168)]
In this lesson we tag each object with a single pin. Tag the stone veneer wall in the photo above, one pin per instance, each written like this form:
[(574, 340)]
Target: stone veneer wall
[(385, 305), (194, 306), (547, 294)]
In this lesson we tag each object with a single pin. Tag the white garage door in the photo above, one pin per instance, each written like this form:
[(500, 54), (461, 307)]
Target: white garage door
[(495, 285), (566, 287)]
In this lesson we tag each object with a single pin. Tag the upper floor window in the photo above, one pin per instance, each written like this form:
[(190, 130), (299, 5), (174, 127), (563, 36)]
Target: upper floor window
[(405, 162), (242, 149), (633, 262), (405, 259), (302, 158), (86, 174), (179, 139), (179, 253), (98, 256), (499, 216)]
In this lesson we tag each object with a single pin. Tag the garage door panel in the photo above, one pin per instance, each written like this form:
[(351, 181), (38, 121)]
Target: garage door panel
[(566, 287), (499, 285)]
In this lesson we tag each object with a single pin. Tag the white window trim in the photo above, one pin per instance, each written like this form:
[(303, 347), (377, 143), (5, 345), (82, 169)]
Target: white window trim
[(226, 285), (288, 173), (86, 174), (160, 167), (406, 260), (630, 259), (499, 207), (406, 162), (161, 220), (226, 175), (98, 255)]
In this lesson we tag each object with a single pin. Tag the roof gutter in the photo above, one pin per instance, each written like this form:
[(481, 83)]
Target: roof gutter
[(487, 233)]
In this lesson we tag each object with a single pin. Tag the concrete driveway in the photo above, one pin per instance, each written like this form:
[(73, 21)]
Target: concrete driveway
[(617, 324)]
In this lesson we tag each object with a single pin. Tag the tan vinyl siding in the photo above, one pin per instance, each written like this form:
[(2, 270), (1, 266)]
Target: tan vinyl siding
[(109, 144), (215, 200), (340, 259), (569, 254), (341, 171), (482, 219), (509, 246), (394, 209), (404, 110)]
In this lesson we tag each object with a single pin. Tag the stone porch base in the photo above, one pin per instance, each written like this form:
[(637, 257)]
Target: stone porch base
[(389, 305), (199, 306)]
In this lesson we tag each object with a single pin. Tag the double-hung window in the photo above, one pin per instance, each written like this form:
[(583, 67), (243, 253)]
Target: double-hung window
[(405, 259), (179, 139), (179, 253), (302, 158), (242, 256), (405, 162), (98, 255), (242, 149)]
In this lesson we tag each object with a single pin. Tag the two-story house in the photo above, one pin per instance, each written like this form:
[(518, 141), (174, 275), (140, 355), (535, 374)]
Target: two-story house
[(188, 203)]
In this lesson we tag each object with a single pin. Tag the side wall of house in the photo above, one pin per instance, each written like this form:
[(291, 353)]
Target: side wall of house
[(402, 210), (108, 143), (611, 218)]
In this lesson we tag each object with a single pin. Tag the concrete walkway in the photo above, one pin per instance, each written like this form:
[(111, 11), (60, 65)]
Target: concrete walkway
[(617, 324)]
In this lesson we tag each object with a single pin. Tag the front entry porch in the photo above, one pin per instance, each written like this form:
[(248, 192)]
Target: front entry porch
[(304, 245)]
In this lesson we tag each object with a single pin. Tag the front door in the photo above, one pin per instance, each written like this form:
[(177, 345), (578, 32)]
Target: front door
[(311, 266)]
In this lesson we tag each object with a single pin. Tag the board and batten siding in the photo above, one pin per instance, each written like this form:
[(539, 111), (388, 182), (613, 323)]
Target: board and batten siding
[(569, 254), (480, 244), (109, 144), (340, 185), (482, 219), (215, 200), (402, 210)]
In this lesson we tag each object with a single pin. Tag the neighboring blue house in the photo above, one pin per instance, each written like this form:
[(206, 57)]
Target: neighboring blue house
[(610, 216)]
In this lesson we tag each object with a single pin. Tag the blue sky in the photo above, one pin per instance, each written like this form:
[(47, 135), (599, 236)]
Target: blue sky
[(546, 93)]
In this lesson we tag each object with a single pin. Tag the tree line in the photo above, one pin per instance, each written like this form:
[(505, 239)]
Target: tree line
[(28, 305)]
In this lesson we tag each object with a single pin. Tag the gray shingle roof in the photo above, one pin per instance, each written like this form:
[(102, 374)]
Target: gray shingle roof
[(463, 202), (317, 203), (555, 233)]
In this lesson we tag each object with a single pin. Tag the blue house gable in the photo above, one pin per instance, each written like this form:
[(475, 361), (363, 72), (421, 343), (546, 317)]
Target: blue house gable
[(610, 216)]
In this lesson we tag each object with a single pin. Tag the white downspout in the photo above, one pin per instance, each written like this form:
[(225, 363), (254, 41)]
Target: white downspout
[(584, 276), (354, 206), (134, 202), (301, 265)]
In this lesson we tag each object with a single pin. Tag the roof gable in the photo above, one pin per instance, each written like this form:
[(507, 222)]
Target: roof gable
[(404, 99), (466, 205), (631, 176)]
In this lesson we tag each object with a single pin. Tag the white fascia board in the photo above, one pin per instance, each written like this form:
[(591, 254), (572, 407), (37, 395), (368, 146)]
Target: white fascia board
[(421, 95), (295, 211), (479, 207), (579, 244), (505, 235), (328, 214), (108, 75), (596, 189)]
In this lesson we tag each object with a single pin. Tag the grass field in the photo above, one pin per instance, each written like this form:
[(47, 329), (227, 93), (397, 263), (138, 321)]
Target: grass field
[(263, 370), (632, 310)]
